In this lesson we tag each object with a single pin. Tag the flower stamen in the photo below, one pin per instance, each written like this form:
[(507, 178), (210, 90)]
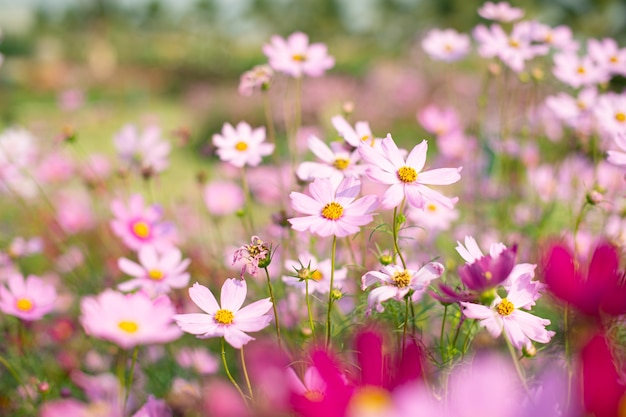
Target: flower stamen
[(407, 174), (128, 326), (332, 211), (401, 279), (505, 307), (341, 163), (24, 304), (224, 316)]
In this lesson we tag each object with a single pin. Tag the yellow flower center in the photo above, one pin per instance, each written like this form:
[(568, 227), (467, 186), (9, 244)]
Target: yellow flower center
[(581, 105), (341, 163), (155, 274), (364, 138), (314, 395), (513, 43), (620, 117), (614, 59), (431, 207), (581, 70), (128, 326), (488, 275), (369, 401), (141, 229), (24, 304), (241, 146), (224, 316), (407, 174), (401, 279), (298, 57), (448, 48), (332, 211), (505, 307), (316, 275)]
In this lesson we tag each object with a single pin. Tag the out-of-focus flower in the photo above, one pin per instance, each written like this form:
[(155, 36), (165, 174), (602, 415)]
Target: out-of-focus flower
[(257, 254), (258, 78), (501, 12), (354, 136), (406, 179), (337, 162), (434, 217), (221, 399), (575, 111), (242, 145), (71, 99), (70, 260), (55, 168), (147, 152), (607, 54), (18, 151), (129, 320), (153, 408), (156, 273), (332, 211), (295, 57), (198, 359), (483, 272), (439, 121), (223, 197), (446, 45), (577, 71), (74, 212), (396, 282), (307, 268), (28, 299), (618, 157), (610, 113), (20, 247), (227, 320), (96, 168), (559, 37)]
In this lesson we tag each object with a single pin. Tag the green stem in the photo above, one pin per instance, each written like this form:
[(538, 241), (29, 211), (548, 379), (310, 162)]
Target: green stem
[(245, 373), (518, 367), (248, 200), (308, 306), (131, 374), (297, 120), (230, 377), (330, 290), (443, 325), (11, 370), (395, 237), (406, 322), (273, 300)]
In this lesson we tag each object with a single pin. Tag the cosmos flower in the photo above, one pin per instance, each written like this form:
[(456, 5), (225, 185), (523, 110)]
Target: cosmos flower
[(294, 56), (501, 12), (439, 121), (227, 319), (354, 136), (146, 152), (242, 145), (446, 45), (610, 113), (618, 157), (28, 299), (483, 272), (258, 78), (255, 255), (406, 179), (608, 54), (337, 162), (317, 274), (330, 211), (223, 197), (577, 71)]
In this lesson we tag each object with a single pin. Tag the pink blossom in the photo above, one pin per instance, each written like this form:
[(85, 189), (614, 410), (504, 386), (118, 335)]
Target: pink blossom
[(258, 78), (337, 162), (577, 71), (295, 57), (502, 12), (18, 152), (71, 99), (156, 273), (406, 178), (354, 136), (559, 38), (618, 157), (96, 168), (227, 320), (318, 274), (257, 254), (242, 145), (223, 197), (610, 113), (446, 45), (154, 408), (74, 212), (434, 217), (55, 168), (129, 320), (146, 152), (20, 247), (198, 359), (607, 54), (439, 121), (28, 299), (332, 211), (575, 111)]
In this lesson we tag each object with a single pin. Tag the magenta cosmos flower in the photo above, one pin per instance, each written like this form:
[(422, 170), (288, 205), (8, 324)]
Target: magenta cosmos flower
[(28, 299), (330, 211), (227, 320), (129, 320), (295, 57), (242, 145), (155, 273), (406, 179)]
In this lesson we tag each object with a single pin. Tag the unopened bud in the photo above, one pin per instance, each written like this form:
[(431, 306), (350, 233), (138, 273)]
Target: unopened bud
[(529, 352), (336, 294), (386, 259)]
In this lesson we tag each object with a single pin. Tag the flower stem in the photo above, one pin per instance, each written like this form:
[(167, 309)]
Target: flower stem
[(245, 373), (11, 370), (330, 290), (406, 322), (518, 367), (131, 374), (273, 300), (308, 306), (395, 237), (443, 325), (243, 396), (248, 199)]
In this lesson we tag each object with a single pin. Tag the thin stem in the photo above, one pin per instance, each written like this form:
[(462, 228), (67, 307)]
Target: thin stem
[(518, 367), (443, 325), (567, 351), (351, 250), (245, 399), (406, 322), (245, 373), (308, 306), (273, 300), (330, 290), (11, 370), (248, 199), (296, 124), (131, 374), (395, 237)]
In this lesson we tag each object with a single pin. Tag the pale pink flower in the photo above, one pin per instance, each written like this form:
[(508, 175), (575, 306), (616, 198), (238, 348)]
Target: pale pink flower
[(406, 178), (138, 225), (295, 57), (396, 282), (332, 211), (337, 162), (312, 385), (129, 320), (28, 299), (501, 12), (618, 157), (199, 359), (242, 145), (446, 45), (575, 111), (55, 168), (155, 273), (147, 152), (71, 99), (154, 408), (20, 246), (96, 168), (610, 113), (559, 38), (318, 274), (223, 197), (227, 320), (578, 71), (608, 55), (439, 121), (18, 152), (258, 78), (434, 217), (354, 136), (74, 212)]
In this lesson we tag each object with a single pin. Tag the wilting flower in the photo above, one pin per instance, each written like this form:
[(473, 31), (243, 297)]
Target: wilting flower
[(147, 152), (227, 320), (129, 320), (257, 254), (156, 273), (28, 299), (502, 12), (332, 211), (295, 57), (482, 272), (258, 78), (317, 273), (242, 145), (406, 179), (446, 45)]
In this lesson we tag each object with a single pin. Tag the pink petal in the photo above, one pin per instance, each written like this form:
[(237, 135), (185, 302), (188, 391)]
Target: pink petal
[(233, 294), (203, 298)]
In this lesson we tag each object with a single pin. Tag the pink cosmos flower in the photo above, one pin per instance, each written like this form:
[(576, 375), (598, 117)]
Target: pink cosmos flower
[(198, 359), (55, 168), (360, 133), (18, 151), (318, 277), (71, 99), (337, 162), (311, 386), (610, 113), (28, 299), (577, 71), (20, 247), (608, 55), (502, 12), (223, 197), (257, 254), (575, 111), (74, 212), (146, 152), (156, 273), (439, 121), (258, 78), (227, 320), (396, 282), (129, 320), (406, 179), (242, 145), (332, 211), (446, 45), (559, 38), (140, 226), (295, 57), (434, 217), (505, 314), (618, 157)]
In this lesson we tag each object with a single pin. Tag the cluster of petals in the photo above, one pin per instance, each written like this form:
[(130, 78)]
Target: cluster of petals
[(147, 151), (578, 71), (129, 320), (242, 145), (295, 57), (501, 12), (396, 282), (405, 178), (332, 211), (227, 319), (482, 272), (28, 299), (608, 55), (354, 136), (337, 162), (575, 112), (318, 274), (156, 273), (257, 78), (446, 45)]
